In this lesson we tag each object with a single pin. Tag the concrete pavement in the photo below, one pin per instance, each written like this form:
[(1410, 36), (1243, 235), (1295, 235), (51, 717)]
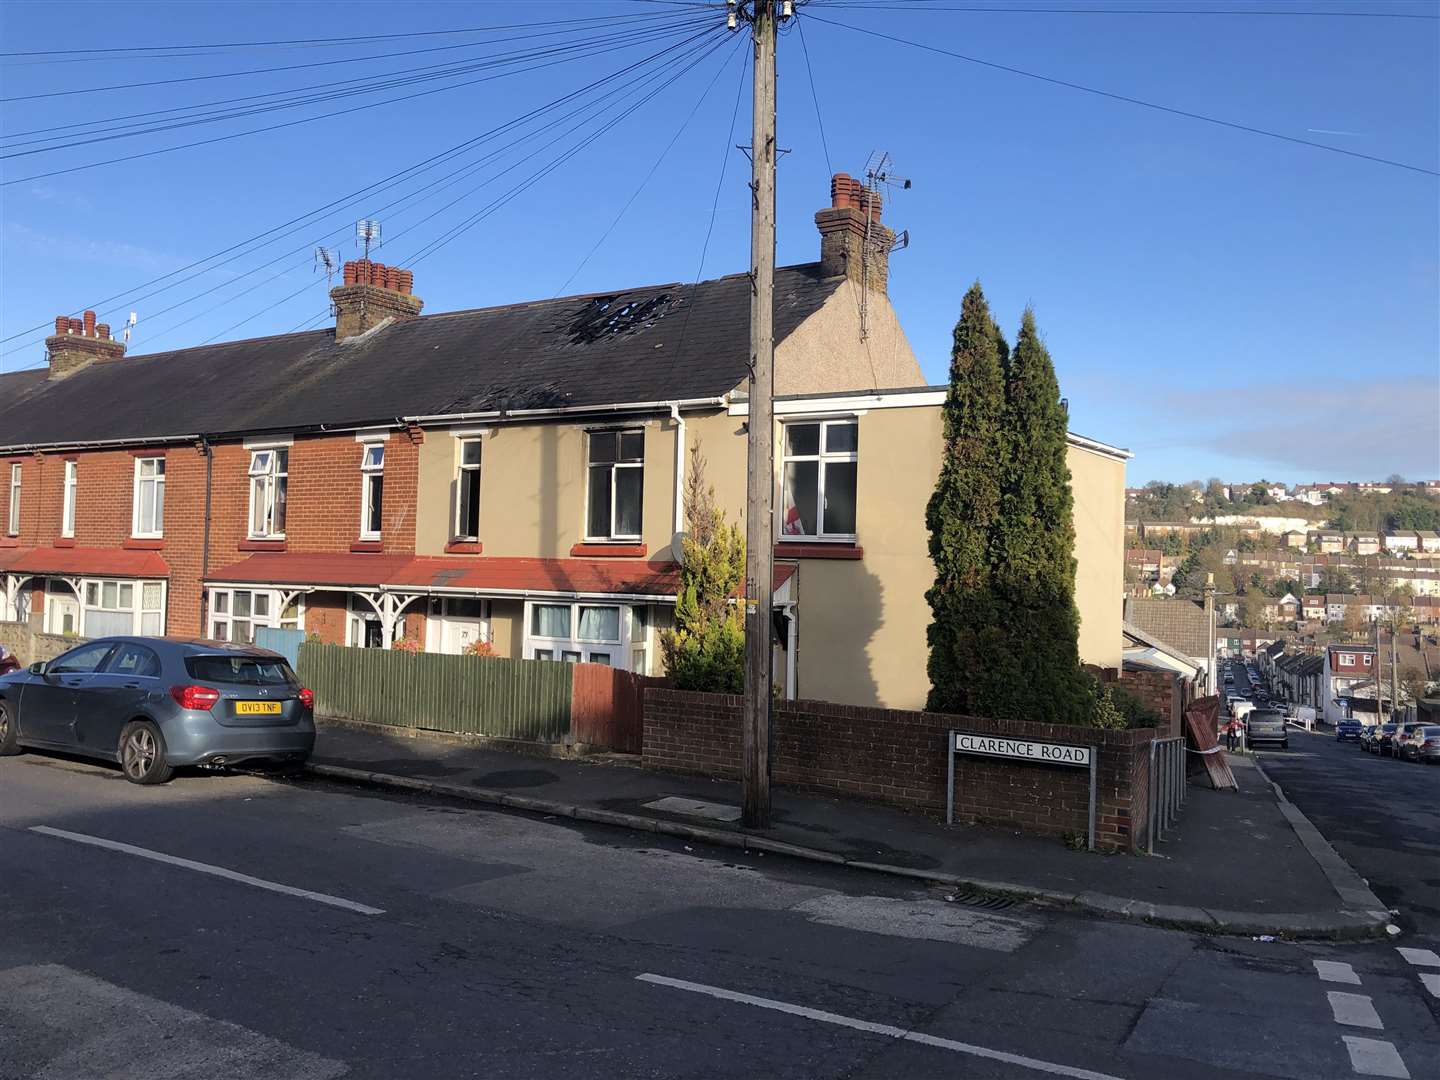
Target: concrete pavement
[(504, 944)]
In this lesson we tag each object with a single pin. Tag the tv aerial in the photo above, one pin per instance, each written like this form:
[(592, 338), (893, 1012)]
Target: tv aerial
[(327, 259), (367, 234)]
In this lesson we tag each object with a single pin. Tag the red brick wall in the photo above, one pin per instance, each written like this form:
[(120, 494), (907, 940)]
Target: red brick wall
[(898, 757), (323, 511), (1158, 691)]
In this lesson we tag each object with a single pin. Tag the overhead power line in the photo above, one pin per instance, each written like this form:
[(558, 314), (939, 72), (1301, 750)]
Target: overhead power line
[(924, 5), (1125, 98)]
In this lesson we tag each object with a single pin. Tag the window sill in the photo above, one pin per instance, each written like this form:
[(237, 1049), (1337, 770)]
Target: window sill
[(63, 542), (464, 547), (795, 550), (260, 545), (143, 543), (9, 541), (374, 546), (601, 550)]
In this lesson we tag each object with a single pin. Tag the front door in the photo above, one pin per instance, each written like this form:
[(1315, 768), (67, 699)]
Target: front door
[(62, 614), (459, 634)]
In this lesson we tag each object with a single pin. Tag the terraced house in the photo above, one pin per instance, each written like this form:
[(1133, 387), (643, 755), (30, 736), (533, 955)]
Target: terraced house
[(509, 474)]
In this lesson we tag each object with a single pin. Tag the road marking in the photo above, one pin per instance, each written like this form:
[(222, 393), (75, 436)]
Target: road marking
[(1336, 972), (1431, 982), (1419, 957), (888, 1030), (1357, 1010), (1375, 1057), (206, 868)]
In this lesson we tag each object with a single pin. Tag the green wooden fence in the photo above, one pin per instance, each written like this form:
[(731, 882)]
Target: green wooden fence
[(470, 695)]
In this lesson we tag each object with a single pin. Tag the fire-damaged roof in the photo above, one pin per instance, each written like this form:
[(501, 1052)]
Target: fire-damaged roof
[(655, 343)]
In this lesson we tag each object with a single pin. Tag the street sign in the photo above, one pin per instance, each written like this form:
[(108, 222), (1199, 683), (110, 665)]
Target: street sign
[(1024, 750)]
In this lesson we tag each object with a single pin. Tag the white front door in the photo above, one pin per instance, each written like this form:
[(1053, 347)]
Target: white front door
[(459, 634), (62, 614)]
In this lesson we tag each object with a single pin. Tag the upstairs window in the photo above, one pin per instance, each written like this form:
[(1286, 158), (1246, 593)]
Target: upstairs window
[(616, 484), (372, 491), (67, 503), (269, 479), (12, 526), (821, 459), (467, 491), (149, 498)]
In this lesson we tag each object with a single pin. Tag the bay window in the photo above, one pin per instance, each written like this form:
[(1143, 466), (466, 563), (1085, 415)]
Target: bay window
[(235, 613), (269, 480), (149, 498), (67, 502), (820, 463), (467, 491), (616, 484), (123, 607), (584, 632), (372, 491)]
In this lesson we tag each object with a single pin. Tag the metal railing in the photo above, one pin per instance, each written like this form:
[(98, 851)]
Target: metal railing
[(1167, 787)]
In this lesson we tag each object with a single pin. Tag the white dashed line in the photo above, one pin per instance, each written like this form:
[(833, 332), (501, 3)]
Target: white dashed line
[(1336, 972), (888, 1030), (1431, 981), (1357, 1010), (1420, 957), (206, 868), (1375, 1057)]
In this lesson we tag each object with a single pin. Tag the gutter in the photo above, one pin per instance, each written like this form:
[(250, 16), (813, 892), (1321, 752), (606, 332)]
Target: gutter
[(572, 410)]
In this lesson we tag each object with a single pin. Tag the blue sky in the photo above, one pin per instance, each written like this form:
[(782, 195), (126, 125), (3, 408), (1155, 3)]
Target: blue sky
[(1222, 303)]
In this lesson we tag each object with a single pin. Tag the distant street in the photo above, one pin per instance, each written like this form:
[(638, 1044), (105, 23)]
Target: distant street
[(237, 927)]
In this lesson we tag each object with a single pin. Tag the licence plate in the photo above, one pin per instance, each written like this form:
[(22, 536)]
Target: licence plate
[(257, 708)]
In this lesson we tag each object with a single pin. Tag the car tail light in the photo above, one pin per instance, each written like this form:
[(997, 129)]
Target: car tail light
[(1431, 742), (307, 698), (202, 698)]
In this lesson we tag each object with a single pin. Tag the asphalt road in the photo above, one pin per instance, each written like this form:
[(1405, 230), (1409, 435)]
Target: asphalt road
[(238, 927), (1381, 814)]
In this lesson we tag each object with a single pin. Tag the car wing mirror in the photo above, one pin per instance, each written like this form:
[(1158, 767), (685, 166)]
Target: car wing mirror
[(37, 668)]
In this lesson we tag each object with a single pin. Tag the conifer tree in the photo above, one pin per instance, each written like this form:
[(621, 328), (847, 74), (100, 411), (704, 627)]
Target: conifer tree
[(962, 514), (706, 649)]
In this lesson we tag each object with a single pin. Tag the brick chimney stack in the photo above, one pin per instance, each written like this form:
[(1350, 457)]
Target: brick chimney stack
[(843, 246), (372, 293), (77, 343)]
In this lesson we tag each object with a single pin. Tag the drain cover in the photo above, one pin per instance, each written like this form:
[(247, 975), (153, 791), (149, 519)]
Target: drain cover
[(988, 901)]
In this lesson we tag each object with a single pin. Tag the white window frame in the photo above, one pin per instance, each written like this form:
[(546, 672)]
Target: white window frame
[(457, 527), (266, 483), (614, 536), (372, 466), (823, 459), (220, 611), (157, 481), (67, 501), (16, 486), (137, 608), (574, 650)]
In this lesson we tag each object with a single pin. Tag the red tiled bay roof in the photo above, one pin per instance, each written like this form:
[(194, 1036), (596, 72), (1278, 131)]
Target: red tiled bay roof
[(90, 562), (478, 573)]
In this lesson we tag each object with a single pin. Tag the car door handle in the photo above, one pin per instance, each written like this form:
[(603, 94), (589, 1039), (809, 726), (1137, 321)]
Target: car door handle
[(132, 686), (73, 682)]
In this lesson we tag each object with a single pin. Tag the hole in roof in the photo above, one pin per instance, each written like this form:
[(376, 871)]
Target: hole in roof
[(611, 316)]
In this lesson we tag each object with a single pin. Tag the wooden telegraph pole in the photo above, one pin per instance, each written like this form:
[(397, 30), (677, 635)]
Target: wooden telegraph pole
[(760, 483)]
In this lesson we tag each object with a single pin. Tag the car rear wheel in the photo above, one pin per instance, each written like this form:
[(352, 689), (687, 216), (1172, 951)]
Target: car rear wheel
[(142, 754), (9, 733)]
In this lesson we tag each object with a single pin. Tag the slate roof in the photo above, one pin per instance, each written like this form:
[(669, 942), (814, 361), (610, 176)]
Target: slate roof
[(572, 351), (1180, 624)]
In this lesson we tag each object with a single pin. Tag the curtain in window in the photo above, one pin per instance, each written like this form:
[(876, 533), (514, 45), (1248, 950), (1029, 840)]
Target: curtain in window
[(599, 624), (551, 620), (106, 623)]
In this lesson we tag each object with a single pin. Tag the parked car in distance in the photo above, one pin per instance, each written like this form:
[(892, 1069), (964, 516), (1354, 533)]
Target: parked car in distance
[(1382, 738), (1403, 735), (1349, 728), (1422, 744), (1267, 726), (155, 704), (8, 661)]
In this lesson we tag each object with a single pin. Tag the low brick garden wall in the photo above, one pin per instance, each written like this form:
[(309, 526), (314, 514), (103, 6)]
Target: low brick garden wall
[(30, 645), (898, 757)]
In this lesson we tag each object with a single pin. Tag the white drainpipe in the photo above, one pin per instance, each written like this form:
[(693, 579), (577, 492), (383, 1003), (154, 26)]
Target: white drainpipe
[(679, 467)]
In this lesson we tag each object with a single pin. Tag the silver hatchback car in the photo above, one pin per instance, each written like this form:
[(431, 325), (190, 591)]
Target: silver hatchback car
[(155, 704)]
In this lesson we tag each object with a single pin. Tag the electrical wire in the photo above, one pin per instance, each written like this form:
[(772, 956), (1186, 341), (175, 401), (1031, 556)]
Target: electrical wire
[(1129, 100), (814, 96), (275, 127), (258, 240), (648, 176), (924, 5)]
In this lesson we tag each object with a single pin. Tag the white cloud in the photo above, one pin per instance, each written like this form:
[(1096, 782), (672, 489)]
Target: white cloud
[(90, 249)]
